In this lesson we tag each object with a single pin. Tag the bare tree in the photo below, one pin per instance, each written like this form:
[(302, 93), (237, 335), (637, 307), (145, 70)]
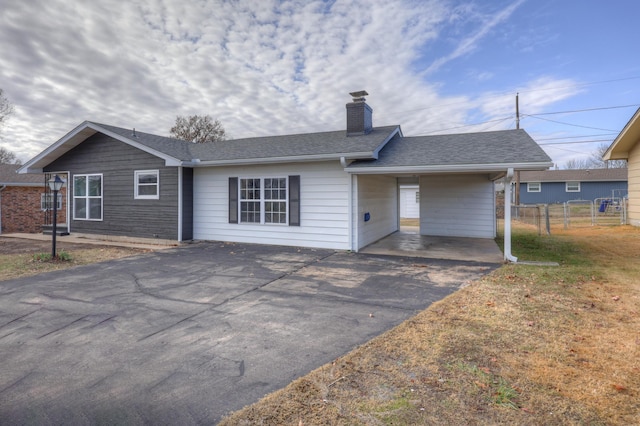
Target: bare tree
[(5, 108), (198, 129), (8, 157), (577, 163), (595, 161), (599, 163)]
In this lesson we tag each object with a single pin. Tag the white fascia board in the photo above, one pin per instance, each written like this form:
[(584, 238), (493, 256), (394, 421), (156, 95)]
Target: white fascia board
[(626, 139), (75, 138), (456, 168), (54, 151), (272, 160), (168, 160), (384, 143)]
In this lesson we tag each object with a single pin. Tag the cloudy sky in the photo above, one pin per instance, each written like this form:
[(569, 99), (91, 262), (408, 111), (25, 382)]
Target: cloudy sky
[(281, 67)]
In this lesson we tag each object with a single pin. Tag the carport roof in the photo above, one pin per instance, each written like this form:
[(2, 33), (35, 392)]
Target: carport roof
[(464, 152)]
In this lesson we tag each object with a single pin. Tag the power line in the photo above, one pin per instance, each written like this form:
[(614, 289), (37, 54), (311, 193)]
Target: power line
[(569, 124), (466, 125), (584, 110), (575, 142), (576, 137)]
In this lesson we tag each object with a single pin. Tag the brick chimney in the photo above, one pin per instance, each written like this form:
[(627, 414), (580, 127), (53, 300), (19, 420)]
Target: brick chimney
[(359, 114)]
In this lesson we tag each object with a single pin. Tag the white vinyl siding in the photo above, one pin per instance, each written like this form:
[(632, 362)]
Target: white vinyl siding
[(324, 206), (457, 206), (377, 201), (409, 202)]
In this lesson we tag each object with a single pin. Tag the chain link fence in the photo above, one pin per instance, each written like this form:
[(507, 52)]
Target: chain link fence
[(572, 214)]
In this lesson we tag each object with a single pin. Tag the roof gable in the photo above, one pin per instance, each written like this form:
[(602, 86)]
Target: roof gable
[(625, 141), (176, 152), (458, 152)]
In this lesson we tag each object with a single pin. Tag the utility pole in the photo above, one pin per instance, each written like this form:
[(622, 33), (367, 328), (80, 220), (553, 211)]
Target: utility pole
[(517, 198)]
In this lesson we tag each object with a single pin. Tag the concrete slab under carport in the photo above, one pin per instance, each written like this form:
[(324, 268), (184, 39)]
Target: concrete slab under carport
[(408, 242), (184, 335)]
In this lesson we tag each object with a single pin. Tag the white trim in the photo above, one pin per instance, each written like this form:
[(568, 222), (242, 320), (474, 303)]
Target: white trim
[(566, 186), (290, 159), (78, 135), (136, 185), (456, 168), (529, 189), (263, 201), (87, 197)]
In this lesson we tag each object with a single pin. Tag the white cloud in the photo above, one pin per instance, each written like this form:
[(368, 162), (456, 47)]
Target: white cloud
[(261, 68)]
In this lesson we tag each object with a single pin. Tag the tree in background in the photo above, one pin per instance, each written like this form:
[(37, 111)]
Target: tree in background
[(198, 129), (8, 157), (595, 161), (5, 108)]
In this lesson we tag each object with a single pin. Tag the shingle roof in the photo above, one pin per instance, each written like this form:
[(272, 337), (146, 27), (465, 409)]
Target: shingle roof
[(335, 143), (590, 175), (504, 147), (9, 177)]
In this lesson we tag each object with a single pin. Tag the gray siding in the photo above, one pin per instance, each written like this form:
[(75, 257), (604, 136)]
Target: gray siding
[(122, 214), (555, 192)]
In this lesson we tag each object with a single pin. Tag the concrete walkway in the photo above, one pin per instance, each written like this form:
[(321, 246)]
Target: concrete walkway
[(75, 239), (185, 335)]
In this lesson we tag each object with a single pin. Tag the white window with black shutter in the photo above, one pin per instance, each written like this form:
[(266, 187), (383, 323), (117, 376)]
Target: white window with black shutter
[(265, 200)]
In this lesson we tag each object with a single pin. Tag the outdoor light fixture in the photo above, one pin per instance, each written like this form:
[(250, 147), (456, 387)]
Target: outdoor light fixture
[(55, 184)]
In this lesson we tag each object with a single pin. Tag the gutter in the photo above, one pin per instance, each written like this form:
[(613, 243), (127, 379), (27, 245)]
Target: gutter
[(453, 168), (508, 257)]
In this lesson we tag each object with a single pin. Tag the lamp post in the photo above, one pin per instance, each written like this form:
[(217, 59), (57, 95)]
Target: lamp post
[(55, 184)]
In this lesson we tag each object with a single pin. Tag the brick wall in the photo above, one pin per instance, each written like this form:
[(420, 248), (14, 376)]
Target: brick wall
[(20, 209)]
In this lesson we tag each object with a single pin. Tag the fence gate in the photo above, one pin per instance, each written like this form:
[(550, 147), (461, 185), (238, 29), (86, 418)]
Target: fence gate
[(610, 211), (578, 213)]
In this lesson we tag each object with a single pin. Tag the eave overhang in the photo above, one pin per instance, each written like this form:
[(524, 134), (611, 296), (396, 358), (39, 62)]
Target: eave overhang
[(79, 135), (453, 168)]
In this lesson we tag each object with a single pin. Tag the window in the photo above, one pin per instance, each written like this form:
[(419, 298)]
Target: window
[(45, 201), (263, 200), (147, 185), (87, 197), (573, 187), (533, 187)]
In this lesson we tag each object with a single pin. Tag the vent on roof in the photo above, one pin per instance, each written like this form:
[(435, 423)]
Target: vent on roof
[(359, 115), (134, 133)]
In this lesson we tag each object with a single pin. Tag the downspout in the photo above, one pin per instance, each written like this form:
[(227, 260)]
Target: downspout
[(1, 189), (508, 257)]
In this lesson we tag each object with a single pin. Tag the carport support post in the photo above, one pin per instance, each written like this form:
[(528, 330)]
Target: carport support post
[(507, 217)]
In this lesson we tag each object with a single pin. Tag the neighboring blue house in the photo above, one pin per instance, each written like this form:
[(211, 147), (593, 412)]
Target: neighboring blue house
[(559, 186)]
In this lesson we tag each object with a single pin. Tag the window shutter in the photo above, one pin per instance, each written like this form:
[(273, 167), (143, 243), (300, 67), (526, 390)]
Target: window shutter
[(294, 200), (233, 200)]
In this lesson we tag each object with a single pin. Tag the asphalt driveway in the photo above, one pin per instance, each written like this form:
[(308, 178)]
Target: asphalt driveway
[(185, 335)]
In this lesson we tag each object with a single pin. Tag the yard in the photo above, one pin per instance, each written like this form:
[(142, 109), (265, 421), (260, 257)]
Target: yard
[(524, 345)]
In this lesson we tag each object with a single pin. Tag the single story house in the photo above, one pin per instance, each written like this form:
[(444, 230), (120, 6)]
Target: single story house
[(626, 146), (24, 201), (560, 186), (335, 189)]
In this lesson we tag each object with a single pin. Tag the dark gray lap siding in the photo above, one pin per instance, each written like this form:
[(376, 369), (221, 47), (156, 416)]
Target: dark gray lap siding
[(122, 214)]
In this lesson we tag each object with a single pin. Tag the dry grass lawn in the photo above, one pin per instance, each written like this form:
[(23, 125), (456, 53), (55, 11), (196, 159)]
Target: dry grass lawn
[(526, 345)]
